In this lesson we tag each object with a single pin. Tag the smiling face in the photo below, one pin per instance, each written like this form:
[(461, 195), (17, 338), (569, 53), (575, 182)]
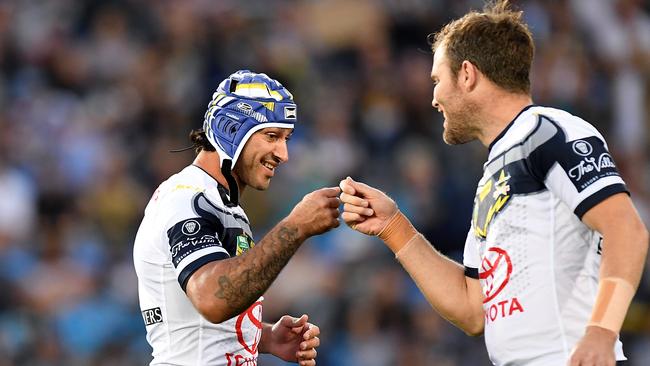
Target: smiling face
[(459, 111), (264, 151)]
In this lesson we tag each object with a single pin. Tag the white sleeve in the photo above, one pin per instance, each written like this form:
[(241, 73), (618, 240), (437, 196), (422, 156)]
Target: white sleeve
[(576, 166), (192, 234), (471, 257)]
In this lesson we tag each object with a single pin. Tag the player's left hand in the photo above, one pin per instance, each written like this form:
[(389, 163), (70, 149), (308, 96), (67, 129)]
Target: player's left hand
[(294, 340), (596, 348)]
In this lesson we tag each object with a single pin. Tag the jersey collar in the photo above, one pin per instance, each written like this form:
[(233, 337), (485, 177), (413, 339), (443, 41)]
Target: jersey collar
[(223, 191), (503, 133)]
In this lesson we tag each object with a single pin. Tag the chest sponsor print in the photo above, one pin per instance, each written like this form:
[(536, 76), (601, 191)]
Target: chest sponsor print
[(249, 319), (495, 274)]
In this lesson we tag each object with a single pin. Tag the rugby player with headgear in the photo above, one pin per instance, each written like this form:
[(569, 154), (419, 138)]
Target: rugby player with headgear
[(201, 276)]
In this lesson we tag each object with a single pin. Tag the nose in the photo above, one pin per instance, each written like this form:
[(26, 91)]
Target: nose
[(281, 152), (434, 102)]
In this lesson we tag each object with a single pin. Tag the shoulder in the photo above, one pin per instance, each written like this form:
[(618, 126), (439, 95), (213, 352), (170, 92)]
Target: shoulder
[(573, 127), (175, 198), (539, 126)]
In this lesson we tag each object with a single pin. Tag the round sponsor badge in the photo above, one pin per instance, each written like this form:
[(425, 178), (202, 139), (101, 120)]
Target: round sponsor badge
[(191, 227), (582, 147)]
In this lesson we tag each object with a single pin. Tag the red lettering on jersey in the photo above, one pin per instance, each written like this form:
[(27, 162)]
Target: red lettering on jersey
[(503, 309), (239, 360), (515, 306)]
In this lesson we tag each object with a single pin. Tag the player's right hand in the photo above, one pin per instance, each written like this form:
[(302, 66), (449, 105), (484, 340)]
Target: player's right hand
[(317, 212), (366, 209)]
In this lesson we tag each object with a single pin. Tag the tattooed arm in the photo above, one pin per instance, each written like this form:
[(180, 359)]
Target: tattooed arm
[(222, 289)]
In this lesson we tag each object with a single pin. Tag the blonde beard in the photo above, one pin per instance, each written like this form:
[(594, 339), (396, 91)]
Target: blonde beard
[(462, 127)]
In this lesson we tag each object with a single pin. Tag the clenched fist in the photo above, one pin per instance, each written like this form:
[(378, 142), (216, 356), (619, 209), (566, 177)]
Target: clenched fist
[(366, 209), (317, 212)]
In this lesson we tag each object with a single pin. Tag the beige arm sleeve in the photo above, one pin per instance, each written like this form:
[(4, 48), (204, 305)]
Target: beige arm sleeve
[(398, 232), (613, 299)]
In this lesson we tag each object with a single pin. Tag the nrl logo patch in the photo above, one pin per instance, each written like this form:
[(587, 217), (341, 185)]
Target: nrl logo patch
[(244, 243)]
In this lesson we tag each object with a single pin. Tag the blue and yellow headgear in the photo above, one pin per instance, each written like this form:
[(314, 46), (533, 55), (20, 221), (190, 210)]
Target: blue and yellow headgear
[(244, 103)]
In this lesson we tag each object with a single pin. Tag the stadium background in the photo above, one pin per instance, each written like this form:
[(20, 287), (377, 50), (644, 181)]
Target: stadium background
[(93, 94)]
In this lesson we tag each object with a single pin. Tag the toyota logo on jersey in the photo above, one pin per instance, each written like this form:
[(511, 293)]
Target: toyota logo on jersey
[(249, 331), (495, 272)]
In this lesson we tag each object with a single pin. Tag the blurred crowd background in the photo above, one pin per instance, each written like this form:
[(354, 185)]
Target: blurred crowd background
[(93, 94)]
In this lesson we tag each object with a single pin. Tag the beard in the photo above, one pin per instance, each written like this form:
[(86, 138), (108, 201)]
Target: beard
[(462, 124), (245, 175)]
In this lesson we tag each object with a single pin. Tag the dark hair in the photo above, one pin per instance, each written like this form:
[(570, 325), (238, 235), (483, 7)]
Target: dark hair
[(200, 141), (496, 41)]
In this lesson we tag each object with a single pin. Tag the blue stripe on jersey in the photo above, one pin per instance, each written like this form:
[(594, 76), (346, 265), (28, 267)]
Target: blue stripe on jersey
[(471, 272), (584, 160), (598, 197), (192, 267), (191, 235), (205, 208)]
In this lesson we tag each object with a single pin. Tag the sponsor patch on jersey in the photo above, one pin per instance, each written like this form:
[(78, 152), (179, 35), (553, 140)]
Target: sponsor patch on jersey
[(190, 235), (152, 316), (587, 161), (582, 148), (191, 227), (244, 243)]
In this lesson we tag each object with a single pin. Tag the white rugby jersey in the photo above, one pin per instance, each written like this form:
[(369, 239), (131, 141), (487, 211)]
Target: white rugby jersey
[(537, 262), (186, 225)]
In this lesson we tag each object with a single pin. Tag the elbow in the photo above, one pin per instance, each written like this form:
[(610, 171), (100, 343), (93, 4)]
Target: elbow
[(644, 237), (209, 308), (472, 326), (211, 312), (475, 329)]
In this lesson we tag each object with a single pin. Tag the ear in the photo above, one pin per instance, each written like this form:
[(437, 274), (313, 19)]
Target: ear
[(468, 76)]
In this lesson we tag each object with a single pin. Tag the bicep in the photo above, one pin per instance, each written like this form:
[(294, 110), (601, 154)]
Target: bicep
[(625, 237), (194, 242), (613, 213)]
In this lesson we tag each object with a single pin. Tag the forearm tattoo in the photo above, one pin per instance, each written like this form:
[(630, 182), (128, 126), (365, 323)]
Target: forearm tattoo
[(251, 275)]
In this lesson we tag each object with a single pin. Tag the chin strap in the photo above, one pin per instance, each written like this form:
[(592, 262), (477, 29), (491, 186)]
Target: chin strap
[(232, 183)]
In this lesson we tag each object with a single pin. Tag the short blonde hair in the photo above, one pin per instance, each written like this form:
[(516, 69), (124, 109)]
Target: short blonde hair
[(496, 41)]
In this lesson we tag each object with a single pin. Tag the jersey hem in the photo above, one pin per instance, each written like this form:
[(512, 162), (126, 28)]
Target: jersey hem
[(598, 197), (187, 272)]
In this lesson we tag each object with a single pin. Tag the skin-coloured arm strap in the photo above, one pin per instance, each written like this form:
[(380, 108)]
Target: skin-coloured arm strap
[(613, 299), (398, 232)]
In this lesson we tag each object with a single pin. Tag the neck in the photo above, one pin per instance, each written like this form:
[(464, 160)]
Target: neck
[(497, 116), (209, 161)]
